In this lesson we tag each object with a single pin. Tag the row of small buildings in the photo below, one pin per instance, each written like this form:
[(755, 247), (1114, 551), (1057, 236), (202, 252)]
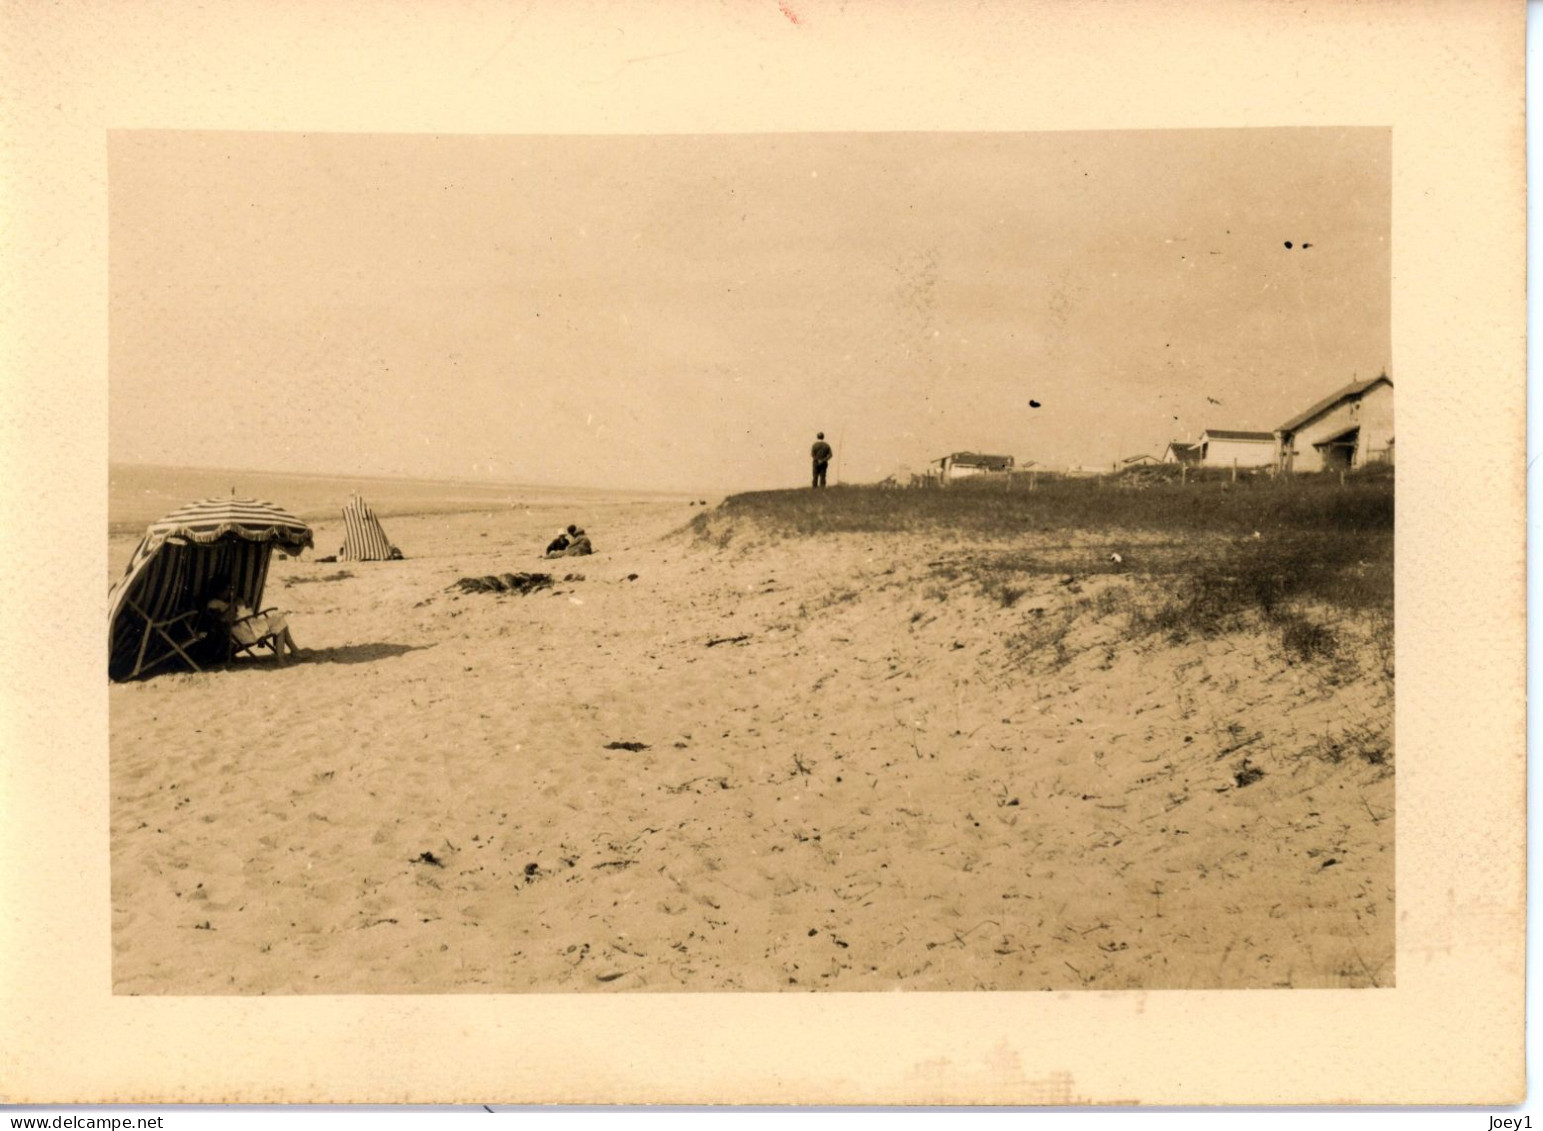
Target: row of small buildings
[(1351, 428)]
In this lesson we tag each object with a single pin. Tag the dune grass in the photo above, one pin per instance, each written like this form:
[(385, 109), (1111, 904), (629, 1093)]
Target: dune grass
[(1363, 504), (1276, 583), (1297, 555)]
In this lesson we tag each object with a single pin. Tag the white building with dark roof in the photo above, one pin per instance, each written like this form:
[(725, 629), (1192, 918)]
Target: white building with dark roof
[(963, 465), (1229, 447), (1350, 428)]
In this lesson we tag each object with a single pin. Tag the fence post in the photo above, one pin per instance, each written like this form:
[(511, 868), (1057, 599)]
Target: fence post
[(1183, 474), (1234, 469)]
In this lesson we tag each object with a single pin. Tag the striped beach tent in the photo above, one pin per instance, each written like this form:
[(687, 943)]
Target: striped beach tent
[(179, 560), (363, 538)]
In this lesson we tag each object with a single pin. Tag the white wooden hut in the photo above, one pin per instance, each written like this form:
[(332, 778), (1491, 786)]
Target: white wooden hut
[(1229, 447), (964, 465)]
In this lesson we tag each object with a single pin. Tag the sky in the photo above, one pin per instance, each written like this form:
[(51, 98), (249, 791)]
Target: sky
[(686, 312)]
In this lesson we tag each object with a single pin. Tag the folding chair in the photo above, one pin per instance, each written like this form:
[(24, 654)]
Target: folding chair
[(176, 635), (266, 638)]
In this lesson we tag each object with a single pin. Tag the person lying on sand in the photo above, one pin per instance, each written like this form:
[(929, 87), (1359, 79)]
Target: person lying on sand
[(247, 627), (572, 543)]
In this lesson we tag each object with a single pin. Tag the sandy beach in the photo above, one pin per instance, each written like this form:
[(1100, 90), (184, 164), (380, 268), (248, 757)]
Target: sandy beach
[(743, 808), (722, 760)]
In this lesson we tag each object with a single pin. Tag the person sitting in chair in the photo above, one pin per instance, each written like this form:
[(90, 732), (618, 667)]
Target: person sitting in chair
[(247, 628)]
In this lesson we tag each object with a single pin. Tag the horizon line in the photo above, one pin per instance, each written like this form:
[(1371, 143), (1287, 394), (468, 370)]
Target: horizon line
[(425, 478)]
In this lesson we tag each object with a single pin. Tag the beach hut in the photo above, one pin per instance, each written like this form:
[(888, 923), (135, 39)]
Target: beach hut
[(364, 540), (154, 610)]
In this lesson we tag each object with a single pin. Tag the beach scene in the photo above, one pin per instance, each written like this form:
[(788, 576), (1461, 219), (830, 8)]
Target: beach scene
[(751, 563)]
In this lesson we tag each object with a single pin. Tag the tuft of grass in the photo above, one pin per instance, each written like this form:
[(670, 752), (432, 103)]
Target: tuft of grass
[(1111, 602), (994, 586), (1358, 740), (1009, 595), (1305, 640), (1043, 642)]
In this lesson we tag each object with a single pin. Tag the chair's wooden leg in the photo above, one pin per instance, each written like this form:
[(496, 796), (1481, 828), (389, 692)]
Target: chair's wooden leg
[(177, 649), (139, 660), (144, 640)]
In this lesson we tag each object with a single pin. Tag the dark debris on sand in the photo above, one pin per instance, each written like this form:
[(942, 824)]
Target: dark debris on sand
[(504, 583)]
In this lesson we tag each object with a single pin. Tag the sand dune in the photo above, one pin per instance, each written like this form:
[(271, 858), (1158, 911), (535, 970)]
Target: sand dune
[(766, 765)]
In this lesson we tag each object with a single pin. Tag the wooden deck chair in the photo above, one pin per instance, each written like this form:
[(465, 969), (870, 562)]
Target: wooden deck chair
[(172, 638), (259, 638)]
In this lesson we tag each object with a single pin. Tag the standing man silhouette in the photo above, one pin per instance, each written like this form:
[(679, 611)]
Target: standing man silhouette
[(821, 454)]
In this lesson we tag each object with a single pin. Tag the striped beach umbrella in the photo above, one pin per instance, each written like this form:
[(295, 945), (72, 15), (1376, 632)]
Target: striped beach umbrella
[(186, 555), (250, 520)]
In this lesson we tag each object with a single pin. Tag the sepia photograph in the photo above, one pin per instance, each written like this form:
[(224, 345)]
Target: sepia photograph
[(784, 553), (791, 562)]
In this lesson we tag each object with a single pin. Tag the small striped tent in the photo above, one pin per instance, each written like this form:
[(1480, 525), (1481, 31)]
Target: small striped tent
[(363, 538), (186, 554)]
